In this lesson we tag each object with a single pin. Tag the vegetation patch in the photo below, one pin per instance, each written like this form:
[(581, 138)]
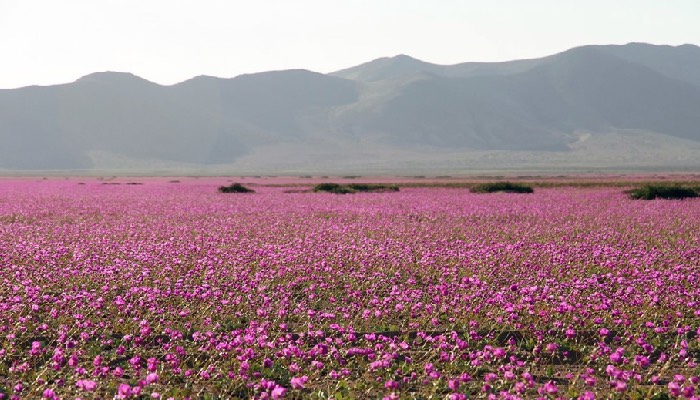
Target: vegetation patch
[(373, 187), (508, 187), (235, 188), (374, 279), (651, 192), (332, 188), (354, 188)]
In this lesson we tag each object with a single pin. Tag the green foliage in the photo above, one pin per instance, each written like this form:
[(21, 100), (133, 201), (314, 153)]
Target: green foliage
[(373, 187), (651, 192), (332, 188), (354, 187), (508, 187), (235, 188)]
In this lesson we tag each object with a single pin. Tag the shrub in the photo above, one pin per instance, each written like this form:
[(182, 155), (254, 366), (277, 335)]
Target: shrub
[(508, 187), (332, 188), (235, 188), (354, 187), (373, 187), (651, 192)]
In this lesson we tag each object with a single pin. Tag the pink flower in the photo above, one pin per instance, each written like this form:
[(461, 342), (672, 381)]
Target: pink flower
[(453, 384), (36, 348), (278, 392), (499, 352), (552, 347), (152, 364), (299, 382), (642, 361), (619, 386), (86, 385), (391, 384), (549, 388), (616, 357), (151, 378), (674, 388), (73, 360), (688, 391), (49, 394), (124, 390), (316, 364), (135, 362)]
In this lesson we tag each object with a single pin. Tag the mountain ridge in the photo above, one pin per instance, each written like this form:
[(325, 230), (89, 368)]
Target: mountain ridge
[(386, 112)]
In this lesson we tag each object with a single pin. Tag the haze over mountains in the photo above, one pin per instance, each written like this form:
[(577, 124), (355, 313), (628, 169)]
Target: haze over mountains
[(634, 106)]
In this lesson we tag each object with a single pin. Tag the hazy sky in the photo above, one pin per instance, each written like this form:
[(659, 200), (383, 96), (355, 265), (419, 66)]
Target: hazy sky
[(168, 41)]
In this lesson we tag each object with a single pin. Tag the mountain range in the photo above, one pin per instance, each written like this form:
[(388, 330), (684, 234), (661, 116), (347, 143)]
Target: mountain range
[(598, 107)]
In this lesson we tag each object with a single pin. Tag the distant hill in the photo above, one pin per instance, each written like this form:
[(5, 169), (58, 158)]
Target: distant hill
[(634, 106)]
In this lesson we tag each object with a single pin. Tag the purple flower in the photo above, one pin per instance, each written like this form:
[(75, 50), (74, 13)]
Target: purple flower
[(391, 384), (453, 384), (86, 385), (619, 386), (299, 382), (151, 378), (674, 388), (550, 388), (49, 394), (278, 392), (124, 391)]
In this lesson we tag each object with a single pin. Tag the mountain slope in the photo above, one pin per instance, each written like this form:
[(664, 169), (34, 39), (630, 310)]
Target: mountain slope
[(679, 62), (205, 120), (584, 89), (383, 113)]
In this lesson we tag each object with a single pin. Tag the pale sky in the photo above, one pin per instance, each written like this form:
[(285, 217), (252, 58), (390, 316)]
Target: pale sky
[(46, 42)]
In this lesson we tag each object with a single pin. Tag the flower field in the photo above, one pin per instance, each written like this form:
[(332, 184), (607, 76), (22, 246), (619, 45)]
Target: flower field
[(173, 290)]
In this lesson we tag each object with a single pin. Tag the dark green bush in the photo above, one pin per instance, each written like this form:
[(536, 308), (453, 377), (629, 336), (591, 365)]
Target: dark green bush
[(651, 192), (332, 188), (508, 187), (235, 188), (354, 187), (373, 187)]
